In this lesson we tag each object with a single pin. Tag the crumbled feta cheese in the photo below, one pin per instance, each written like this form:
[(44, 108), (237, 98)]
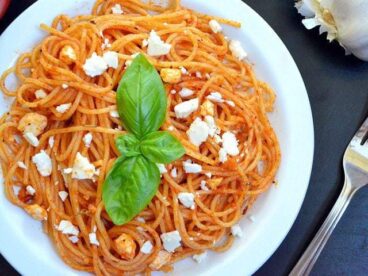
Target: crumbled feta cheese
[(31, 139), (237, 50), (106, 44), (94, 66), (82, 168), (208, 174), (212, 128), (172, 91), (222, 155), (218, 139), (187, 199), (67, 228), (63, 195), (171, 240), (21, 165), (161, 168), (230, 144), (51, 141), (174, 172), (170, 128), (114, 114), (68, 55), (186, 92), (117, 9), (203, 185), (200, 257), (156, 47), (215, 26), (30, 190), (68, 170), (87, 139), (111, 58), (184, 71), (147, 247), (236, 231), (63, 107), (208, 76), (231, 103), (64, 86), (184, 109), (198, 75), (93, 239), (43, 163), (73, 239), (40, 94), (140, 219), (215, 97), (144, 43), (190, 167), (198, 132)]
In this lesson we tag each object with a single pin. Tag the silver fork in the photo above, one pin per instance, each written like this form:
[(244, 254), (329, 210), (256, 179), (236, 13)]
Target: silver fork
[(355, 165)]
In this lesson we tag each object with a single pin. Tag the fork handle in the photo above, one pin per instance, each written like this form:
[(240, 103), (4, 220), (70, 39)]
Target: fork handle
[(307, 261)]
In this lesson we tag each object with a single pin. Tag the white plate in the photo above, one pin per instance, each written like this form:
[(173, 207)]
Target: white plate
[(29, 250)]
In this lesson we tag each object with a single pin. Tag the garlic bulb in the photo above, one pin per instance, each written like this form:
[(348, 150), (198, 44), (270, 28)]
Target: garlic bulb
[(344, 20)]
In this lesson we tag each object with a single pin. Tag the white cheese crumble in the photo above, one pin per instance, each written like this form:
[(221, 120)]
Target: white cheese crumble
[(147, 247), (93, 239), (172, 91), (183, 70), (31, 139), (215, 97), (200, 257), (21, 165), (63, 107), (237, 49), (156, 47), (117, 9), (82, 168), (30, 190), (94, 66), (184, 109), (67, 228), (40, 94), (87, 139), (43, 163), (212, 128), (236, 231), (174, 173), (16, 190), (140, 219), (106, 44), (218, 139), (63, 195), (204, 185), (73, 239), (171, 240), (222, 155), (230, 144), (161, 168), (208, 174), (198, 75), (190, 167), (187, 199), (111, 58), (171, 128), (144, 43), (198, 132), (230, 103), (68, 170), (64, 86), (215, 26), (186, 92), (51, 141), (114, 114)]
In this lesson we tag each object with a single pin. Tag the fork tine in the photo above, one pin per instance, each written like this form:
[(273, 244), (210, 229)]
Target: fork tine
[(362, 132)]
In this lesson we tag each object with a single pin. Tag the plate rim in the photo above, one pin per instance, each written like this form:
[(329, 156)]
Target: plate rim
[(17, 265)]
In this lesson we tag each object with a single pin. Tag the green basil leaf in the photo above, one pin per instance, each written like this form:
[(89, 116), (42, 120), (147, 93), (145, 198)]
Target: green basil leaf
[(128, 145), (161, 147), (141, 98), (129, 187)]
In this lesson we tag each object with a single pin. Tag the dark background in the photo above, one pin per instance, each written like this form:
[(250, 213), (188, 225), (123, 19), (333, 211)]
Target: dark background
[(338, 88)]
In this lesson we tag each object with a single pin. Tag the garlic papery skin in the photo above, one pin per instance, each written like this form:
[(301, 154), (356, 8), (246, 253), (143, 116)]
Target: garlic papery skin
[(344, 20)]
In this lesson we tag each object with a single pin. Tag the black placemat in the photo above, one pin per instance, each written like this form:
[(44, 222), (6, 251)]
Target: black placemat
[(338, 90)]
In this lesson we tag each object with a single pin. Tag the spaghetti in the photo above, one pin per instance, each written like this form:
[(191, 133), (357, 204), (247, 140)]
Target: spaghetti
[(224, 190)]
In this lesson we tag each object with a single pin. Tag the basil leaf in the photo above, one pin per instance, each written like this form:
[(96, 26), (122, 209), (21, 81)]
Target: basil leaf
[(141, 98), (128, 145), (129, 187), (161, 147)]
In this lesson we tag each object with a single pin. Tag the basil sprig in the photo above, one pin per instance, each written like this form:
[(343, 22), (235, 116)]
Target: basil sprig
[(134, 178)]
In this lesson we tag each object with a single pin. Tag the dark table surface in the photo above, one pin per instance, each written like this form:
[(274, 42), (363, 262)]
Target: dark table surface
[(338, 90)]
